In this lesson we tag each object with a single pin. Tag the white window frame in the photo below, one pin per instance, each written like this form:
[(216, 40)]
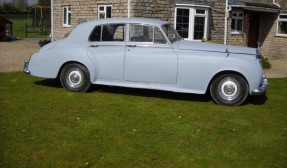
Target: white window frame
[(237, 17), (103, 11), (67, 16), (192, 15), (281, 20)]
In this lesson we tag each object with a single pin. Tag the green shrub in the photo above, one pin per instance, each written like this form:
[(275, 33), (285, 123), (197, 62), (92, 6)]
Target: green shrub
[(265, 63)]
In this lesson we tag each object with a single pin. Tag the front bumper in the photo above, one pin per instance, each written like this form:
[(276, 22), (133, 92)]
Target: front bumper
[(262, 89), (26, 65)]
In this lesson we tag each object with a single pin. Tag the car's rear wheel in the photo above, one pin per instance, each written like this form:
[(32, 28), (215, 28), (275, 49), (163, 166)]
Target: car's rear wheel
[(229, 89), (75, 77)]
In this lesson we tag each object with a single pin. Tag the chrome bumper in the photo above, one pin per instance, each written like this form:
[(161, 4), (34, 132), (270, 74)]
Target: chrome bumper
[(25, 69), (262, 89)]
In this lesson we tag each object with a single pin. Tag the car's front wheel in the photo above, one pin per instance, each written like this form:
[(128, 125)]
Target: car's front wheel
[(229, 89), (75, 77)]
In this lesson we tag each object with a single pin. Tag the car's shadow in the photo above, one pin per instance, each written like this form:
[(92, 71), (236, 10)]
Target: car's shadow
[(150, 93), (255, 100), (133, 91)]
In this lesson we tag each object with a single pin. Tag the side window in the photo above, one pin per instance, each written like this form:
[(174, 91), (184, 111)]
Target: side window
[(108, 33), (140, 33), (143, 33)]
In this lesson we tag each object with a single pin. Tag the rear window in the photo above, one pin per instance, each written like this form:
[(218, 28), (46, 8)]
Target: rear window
[(111, 32)]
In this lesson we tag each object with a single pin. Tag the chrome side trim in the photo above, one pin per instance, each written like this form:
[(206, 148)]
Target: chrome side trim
[(25, 69), (262, 89)]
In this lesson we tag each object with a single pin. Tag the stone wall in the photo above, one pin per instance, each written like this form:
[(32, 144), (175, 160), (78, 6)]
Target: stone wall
[(85, 10), (158, 9), (272, 45), (82, 11)]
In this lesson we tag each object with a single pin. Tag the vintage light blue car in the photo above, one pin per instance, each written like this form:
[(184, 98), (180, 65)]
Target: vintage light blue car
[(147, 53)]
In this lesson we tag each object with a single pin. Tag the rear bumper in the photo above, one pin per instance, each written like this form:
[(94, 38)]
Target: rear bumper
[(262, 89), (25, 68)]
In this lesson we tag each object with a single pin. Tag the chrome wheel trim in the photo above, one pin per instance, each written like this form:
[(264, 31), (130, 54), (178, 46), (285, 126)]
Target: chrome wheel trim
[(229, 89), (74, 78)]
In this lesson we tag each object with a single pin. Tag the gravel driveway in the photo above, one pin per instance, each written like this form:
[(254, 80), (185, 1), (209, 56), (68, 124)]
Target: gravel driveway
[(13, 54)]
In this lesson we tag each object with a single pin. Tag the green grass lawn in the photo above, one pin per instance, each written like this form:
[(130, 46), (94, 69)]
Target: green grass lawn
[(19, 29), (42, 125)]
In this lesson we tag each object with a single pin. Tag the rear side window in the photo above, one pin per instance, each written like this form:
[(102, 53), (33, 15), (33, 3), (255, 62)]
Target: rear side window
[(108, 33)]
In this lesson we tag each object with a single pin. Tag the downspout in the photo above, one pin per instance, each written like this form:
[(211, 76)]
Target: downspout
[(276, 4), (225, 22), (52, 24), (129, 8)]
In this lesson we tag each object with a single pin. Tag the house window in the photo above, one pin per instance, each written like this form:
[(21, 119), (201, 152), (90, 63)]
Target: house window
[(191, 23), (237, 23), (282, 25), (105, 11), (67, 16)]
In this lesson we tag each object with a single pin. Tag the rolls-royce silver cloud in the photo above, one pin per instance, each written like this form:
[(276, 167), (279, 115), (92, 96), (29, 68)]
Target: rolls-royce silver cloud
[(148, 53)]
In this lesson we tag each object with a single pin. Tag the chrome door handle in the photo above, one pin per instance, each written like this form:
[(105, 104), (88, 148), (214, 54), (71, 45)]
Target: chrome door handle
[(132, 45), (94, 46)]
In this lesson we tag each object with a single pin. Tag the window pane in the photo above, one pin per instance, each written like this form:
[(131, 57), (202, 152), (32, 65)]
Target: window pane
[(102, 16), (119, 33), (199, 11), (109, 12), (139, 33), (69, 19), (239, 25), (158, 37), (109, 31), (282, 27), (283, 16), (199, 28), (233, 25), (102, 8), (65, 15), (96, 34), (182, 22)]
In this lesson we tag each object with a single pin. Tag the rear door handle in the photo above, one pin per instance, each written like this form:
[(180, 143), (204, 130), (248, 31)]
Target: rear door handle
[(132, 45), (94, 46)]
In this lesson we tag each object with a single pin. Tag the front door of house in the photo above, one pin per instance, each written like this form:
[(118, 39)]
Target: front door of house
[(253, 29)]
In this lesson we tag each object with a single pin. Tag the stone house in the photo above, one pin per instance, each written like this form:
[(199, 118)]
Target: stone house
[(239, 22)]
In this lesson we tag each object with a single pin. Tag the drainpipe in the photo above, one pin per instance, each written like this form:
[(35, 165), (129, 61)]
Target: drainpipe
[(225, 23), (52, 24), (129, 8), (276, 4)]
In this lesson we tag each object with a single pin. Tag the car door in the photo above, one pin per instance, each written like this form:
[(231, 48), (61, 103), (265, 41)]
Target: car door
[(149, 58), (107, 43)]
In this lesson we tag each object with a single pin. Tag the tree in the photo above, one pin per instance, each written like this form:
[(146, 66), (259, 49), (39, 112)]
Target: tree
[(44, 2), (21, 5)]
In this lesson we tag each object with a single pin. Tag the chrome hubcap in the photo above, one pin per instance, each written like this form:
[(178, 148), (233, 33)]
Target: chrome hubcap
[(74, 78), (228, 89)]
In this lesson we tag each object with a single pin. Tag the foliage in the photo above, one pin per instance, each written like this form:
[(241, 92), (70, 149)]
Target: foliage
[(44, 2), (16, 6), (265, 63), (42, 125)]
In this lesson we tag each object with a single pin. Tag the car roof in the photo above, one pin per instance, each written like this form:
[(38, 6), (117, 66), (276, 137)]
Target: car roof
[(127, 20)]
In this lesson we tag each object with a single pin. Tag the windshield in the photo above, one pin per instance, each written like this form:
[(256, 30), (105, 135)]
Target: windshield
[(172, 34)]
